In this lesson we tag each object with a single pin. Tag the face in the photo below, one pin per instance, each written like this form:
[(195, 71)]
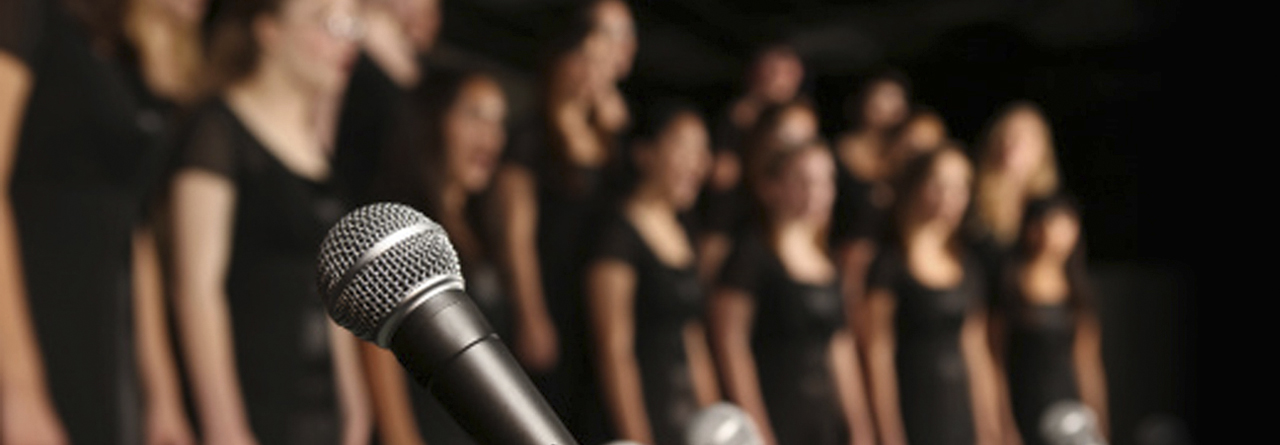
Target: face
[(886, 105), (944, 197), (681, 160), (1061, 230), (806, 188), (420, 19), (579, 71), (778, 76), (797, 125), (614, 23), (314, 41), (1023, 145), (188, 12), (474, 133)]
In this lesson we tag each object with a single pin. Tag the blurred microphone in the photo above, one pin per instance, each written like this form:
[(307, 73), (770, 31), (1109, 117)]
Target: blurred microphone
[(1069, 422), (390, 276), (722, 424)]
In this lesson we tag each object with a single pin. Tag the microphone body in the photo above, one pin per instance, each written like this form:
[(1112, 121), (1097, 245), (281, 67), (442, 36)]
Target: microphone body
[(390, 276)]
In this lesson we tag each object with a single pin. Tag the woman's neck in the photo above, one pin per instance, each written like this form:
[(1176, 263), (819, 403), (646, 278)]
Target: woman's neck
[(648, 202), (795, 233), (270, 92), (927, 237), (453, 200), (168, 51)]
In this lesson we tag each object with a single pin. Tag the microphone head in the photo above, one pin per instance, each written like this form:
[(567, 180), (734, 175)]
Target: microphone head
[(1069, 422), (722, 424), (377, 257)]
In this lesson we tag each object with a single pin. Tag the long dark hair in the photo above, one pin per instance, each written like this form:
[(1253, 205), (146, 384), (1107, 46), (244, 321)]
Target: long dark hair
[(233, 49), (1080, 296), (413, 165)]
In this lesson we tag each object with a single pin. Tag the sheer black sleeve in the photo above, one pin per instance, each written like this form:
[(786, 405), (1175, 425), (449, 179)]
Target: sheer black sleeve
[(210, 142), (745, 267), (22, 27), (618, 241)]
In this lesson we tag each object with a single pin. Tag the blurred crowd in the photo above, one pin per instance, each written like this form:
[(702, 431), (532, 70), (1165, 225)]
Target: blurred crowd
[(169, 167)]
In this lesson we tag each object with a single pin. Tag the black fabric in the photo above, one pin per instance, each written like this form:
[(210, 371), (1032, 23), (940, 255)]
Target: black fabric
[(667, 298), (365, 126), (279, 327), (89, 152), (571, 202), (933, 383), (790, 338), (861, 209), (1040, 363)]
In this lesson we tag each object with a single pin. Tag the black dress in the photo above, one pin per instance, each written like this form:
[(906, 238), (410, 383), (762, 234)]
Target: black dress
[(572, 201), (933, 382), (279, 326), (89, 154), (861, 208), (790, 339), (1040, 362), (667, 298)]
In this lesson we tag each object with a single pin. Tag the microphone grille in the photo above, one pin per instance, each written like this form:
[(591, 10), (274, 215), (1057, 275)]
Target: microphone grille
[(1069, 422), (722, 424), (374, 257)]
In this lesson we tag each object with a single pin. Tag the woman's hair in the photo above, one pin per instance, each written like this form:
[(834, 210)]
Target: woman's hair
[(103, 20), (1043, 183), (854, 105), (757, 145), (234, 50), (413, 164), (907, 188), (653, 118), (1038, 212)]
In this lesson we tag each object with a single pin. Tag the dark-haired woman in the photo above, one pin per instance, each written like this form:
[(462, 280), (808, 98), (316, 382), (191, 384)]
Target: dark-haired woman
[(550, 194), (785, 351), (866, 162), (442, 163), (1048, 335), (931, 372), (251, 199), (642, 288), (87, 93)]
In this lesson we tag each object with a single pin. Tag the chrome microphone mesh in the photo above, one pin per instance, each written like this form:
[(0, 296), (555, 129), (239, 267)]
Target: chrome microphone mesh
[(375, 258)]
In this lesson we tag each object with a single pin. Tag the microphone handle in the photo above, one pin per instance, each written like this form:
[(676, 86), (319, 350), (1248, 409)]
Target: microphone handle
[(449, 348)]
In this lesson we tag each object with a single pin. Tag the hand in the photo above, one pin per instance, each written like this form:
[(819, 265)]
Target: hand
[(536, 344), (29, 419), (167, 425)]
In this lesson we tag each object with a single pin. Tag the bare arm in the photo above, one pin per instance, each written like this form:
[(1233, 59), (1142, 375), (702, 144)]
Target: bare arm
[(843, 358), (202, 205), (611, 286), (26, 410), (1090, 375), (353, 394), (854, 260), (731, 317), (391, 404), (984, 386), (166, 418), (535, 338), (701, 367), (713, 249), (880, 346)]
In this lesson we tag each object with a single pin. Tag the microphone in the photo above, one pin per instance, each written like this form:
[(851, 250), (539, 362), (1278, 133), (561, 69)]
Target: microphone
[(389, 274), (722, 424), (1069, 422)]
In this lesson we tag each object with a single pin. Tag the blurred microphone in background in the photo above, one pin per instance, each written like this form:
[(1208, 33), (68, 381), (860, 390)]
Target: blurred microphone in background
[(1069, 422), (722, 424)]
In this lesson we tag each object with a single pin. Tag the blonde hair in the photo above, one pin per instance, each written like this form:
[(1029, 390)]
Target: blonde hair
[(990, 175)]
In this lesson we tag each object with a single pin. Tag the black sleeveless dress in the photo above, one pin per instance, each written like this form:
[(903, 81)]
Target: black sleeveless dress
[(666, 299), (89, 157), (366, 122), (1040, 363), (790, 338), (861, 208), (933, 378), (279, 326)]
